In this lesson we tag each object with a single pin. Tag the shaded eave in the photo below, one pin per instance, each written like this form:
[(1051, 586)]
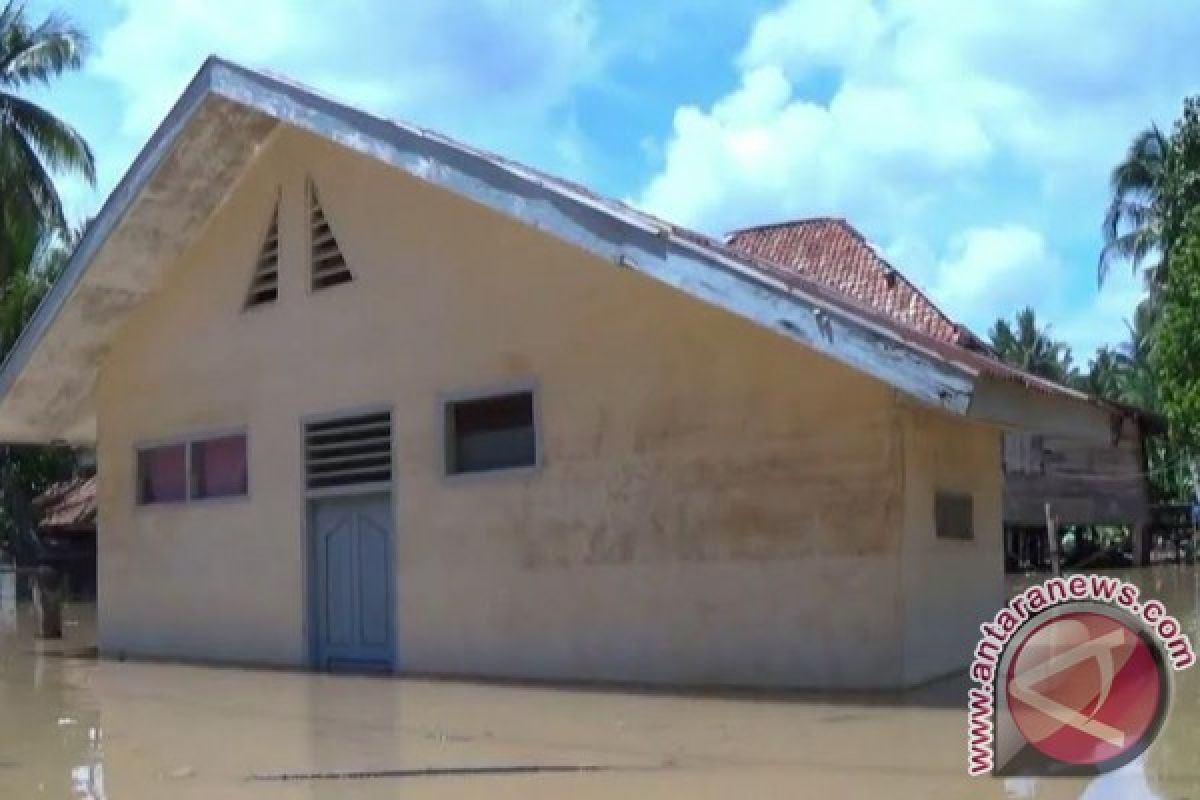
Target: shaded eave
[(226, 115)]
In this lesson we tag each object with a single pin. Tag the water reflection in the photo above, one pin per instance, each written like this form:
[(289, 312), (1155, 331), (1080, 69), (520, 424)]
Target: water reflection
[(72, 727), (51, 739)]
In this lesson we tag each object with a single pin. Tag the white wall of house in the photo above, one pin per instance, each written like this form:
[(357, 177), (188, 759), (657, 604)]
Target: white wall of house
[(716, 504)]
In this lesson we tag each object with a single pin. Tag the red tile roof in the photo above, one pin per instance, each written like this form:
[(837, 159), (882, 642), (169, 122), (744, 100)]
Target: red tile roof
[(832, 252)]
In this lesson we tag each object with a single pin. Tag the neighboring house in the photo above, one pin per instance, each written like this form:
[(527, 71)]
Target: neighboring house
[(1085, 481), (1087, 484), (364, 397), (66, 532)]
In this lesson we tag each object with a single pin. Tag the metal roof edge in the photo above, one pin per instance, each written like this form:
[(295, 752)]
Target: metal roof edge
[(115, 206)]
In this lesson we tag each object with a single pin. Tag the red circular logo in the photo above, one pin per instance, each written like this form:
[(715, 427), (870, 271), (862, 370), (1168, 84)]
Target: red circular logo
[(1086, 688)]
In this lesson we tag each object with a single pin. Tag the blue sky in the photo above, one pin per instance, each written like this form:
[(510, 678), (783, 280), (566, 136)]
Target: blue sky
[(970, 141)]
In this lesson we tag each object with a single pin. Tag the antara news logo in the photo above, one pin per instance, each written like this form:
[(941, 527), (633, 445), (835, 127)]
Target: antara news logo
[(1072, 677)]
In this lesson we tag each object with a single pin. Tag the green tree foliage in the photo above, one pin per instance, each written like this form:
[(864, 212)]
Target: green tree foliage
[(1028, 346), (1154, 189), (27, 471), (1174, 344), (1151, 224), (1133, 220), (1139, 386), (1177, 349), (35, 145), (1106, 376)]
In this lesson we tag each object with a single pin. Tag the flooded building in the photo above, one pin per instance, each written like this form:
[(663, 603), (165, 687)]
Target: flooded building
[(1086, 481), (367, 398)]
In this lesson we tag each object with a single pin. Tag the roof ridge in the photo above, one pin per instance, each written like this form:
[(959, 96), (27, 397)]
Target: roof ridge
[(962, 334), (959, 328), (785, 223)]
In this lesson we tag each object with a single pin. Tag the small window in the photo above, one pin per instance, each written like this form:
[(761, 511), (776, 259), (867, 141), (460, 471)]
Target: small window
[(219, 467), (490, 433), (954, 515), (162, 474)]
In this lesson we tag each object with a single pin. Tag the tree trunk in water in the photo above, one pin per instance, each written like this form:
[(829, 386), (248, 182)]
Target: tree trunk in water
[(1143, 542), (48, 591)]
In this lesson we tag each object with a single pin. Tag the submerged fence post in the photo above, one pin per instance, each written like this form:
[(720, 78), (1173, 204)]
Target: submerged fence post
[(1052, 533), (48, 585)]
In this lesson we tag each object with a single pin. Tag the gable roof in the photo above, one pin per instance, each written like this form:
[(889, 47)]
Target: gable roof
[(217, 128), (833, 252)]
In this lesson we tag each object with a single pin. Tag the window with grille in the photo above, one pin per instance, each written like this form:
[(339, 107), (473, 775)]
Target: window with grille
[(954, 515), (485, 434), (264, 285), (327, 262), (349, 451)]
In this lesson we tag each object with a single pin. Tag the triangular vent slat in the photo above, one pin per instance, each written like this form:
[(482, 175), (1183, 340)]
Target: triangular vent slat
[(264, 284), (348, 451), (328, 265)]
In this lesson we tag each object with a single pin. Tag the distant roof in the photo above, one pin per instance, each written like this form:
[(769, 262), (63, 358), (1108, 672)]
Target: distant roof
[(834, 253), (69, 505), (830, 250)]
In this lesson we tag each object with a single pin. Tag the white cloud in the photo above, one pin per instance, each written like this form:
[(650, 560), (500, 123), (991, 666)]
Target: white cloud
[(809, 34), (1102, 319), (984, 273), (451, 65), (985, 268), (977, 136)]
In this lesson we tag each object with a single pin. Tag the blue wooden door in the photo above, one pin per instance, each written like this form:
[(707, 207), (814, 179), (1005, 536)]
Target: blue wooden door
[(352, 549)]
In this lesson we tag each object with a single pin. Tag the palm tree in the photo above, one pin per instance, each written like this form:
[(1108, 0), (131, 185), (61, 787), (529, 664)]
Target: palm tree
[(41, 255), (1106, 375), (1136, 353), (34, 144), (35, 147), (1031, 348), (1133, 220)]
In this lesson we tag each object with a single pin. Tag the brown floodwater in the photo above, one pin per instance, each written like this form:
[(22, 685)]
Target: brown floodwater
[(75, 726)]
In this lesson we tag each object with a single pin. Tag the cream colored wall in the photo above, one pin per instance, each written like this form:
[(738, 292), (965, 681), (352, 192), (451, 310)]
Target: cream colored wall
[(949, 587), (717, 504)]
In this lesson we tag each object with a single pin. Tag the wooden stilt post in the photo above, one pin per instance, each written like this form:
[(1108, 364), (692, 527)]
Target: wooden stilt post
[(1052, 537), (48, 602)]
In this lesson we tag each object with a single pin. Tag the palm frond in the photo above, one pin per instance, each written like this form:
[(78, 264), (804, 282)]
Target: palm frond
[(1132, 225), (26, 183), (60, 145), (37, 54)]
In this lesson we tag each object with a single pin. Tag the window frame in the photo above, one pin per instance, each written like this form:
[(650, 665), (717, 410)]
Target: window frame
[(956, 494), (446, 400), (187, 440), (159, 444)]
